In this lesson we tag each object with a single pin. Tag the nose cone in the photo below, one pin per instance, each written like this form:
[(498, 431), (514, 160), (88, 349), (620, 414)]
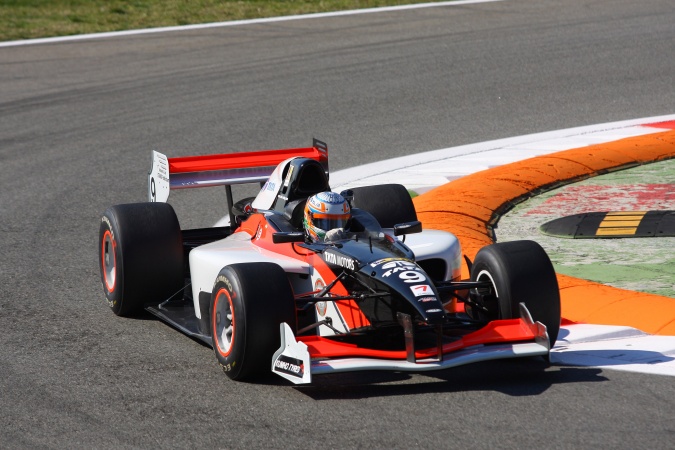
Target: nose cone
[(412, 283)]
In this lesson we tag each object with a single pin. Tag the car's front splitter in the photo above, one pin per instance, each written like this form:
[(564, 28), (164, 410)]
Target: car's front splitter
[(514, 338)]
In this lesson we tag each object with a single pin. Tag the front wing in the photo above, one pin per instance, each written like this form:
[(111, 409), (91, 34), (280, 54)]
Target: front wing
[(298, 360)]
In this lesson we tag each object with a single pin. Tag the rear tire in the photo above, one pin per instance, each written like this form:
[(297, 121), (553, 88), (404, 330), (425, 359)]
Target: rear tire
[(248, 303), (140, 255), (390, 204), (520, 272)]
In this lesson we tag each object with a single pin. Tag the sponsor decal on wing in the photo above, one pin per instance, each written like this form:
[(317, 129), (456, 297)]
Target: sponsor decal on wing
[(386, 260), (422, 290), (290, 366)]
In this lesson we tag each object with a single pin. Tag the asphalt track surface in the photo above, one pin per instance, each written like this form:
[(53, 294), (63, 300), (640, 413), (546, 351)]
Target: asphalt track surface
[(77, 124)]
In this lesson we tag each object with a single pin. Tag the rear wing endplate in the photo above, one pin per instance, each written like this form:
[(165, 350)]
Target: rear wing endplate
[(167, 174)]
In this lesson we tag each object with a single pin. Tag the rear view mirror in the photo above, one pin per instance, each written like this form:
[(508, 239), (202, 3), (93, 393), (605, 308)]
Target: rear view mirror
[(407, 228), (289, 236)]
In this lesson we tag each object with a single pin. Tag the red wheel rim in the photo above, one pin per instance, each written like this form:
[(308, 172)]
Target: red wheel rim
[(108, 261), (223, 323)]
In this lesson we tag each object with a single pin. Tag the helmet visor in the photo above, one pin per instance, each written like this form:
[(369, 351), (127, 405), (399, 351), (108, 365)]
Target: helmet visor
[(329, 222)]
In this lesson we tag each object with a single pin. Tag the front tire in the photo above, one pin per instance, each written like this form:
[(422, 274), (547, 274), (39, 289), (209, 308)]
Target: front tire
[(519, 272), (140, 255), (248, 303)]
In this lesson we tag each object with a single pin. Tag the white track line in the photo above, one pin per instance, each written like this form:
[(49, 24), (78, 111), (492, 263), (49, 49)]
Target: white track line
[(441, 166), (235, 23)]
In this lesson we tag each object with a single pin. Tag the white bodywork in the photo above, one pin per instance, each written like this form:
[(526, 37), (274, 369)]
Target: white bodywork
[(207, 260), (268, 194), (437, 244), (158, 178)]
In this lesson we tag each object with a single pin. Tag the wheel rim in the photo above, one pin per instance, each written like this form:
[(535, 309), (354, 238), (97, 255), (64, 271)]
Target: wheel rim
[(223, 322), (482, 275), (108, 261), (489, 297)]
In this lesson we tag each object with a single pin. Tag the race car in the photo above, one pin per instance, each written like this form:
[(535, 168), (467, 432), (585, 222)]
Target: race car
[(382, 294)]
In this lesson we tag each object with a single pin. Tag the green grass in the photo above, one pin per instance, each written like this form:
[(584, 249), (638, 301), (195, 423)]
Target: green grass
[(26, 19)]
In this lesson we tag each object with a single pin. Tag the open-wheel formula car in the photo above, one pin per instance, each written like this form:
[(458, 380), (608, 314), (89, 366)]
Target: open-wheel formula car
[(383, 295)]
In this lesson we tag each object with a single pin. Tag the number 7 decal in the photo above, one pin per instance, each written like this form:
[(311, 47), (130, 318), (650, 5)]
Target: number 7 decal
[(421, 289)]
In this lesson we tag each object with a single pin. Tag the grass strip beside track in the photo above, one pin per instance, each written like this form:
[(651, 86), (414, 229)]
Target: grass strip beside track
[(470, 206), (27, 19)]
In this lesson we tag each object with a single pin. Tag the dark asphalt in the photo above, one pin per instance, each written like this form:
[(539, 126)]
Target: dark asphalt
[(78, 121)]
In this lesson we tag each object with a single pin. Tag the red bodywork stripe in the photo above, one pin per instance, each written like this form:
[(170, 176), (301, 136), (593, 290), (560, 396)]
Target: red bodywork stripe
[(261, 233), (263, 158), (350, 311), (496, 332)]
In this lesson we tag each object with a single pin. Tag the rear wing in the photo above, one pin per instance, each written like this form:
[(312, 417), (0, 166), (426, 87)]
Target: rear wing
[(167, 174)]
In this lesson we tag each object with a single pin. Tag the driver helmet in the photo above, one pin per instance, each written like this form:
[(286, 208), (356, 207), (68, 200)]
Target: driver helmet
[(323, 212)]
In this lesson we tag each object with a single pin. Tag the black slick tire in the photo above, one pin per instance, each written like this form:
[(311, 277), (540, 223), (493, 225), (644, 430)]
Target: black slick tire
[(248, 303), (520, 272), (140, 255), (390, 204)]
